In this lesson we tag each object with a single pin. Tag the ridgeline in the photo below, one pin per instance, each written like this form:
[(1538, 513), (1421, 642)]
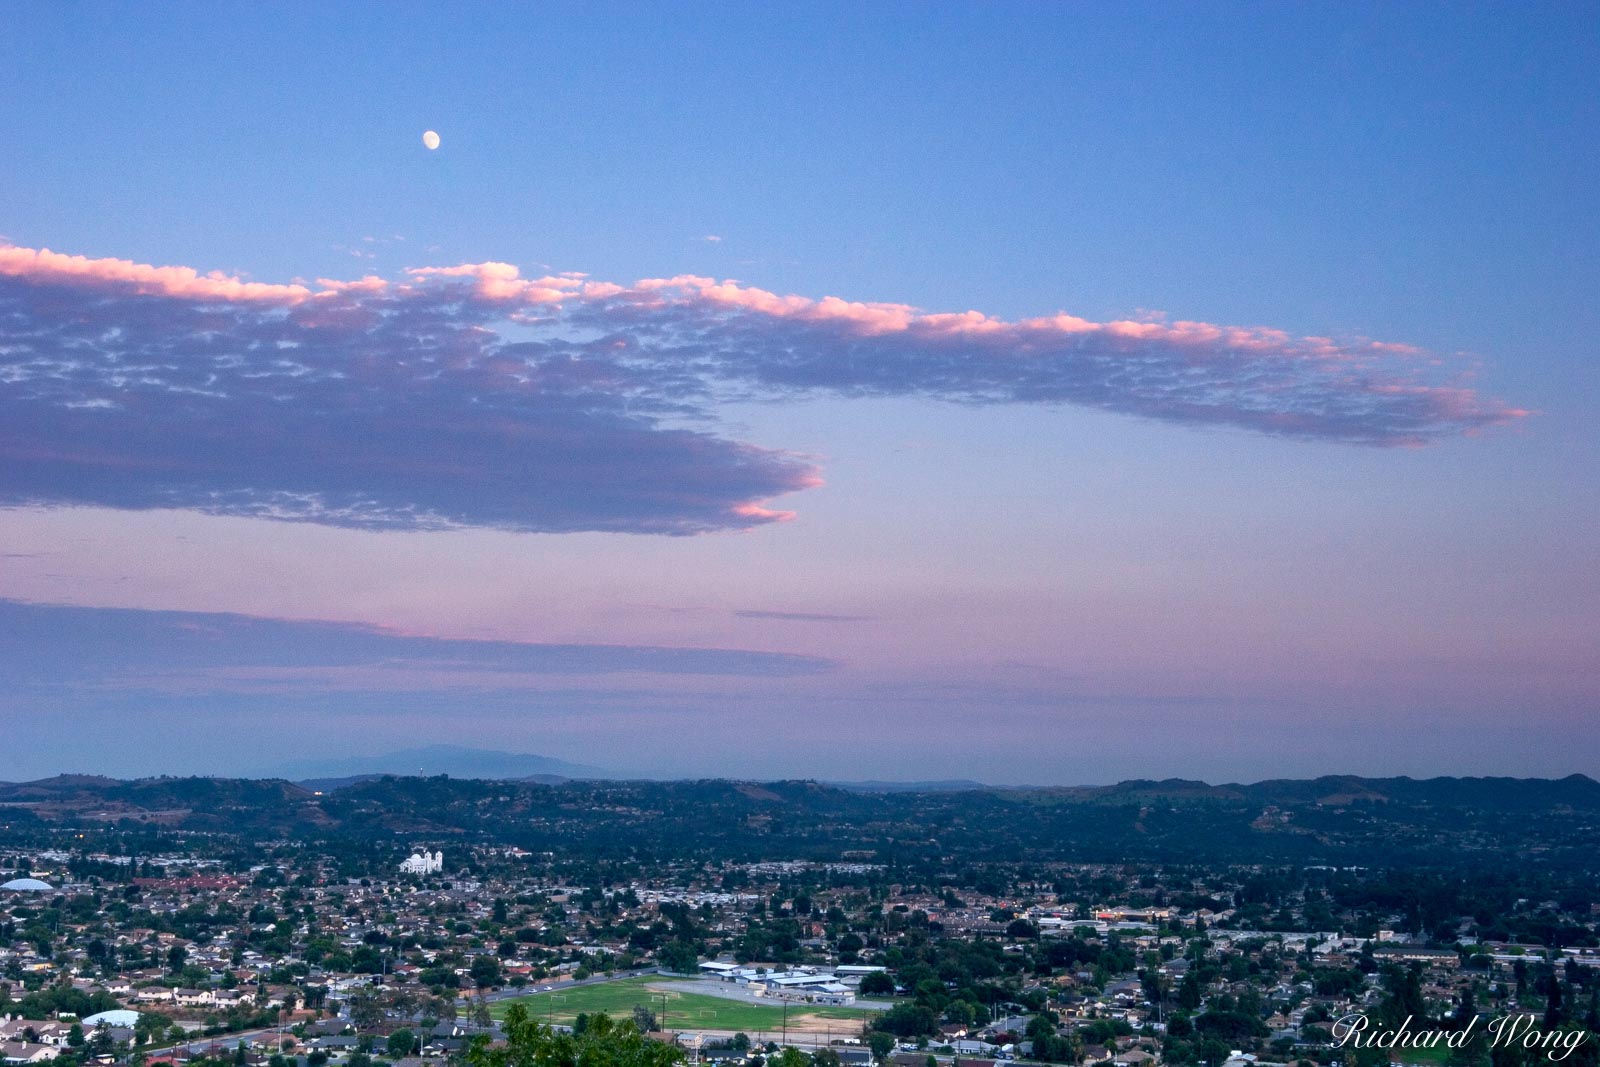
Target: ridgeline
[(1344, 821)]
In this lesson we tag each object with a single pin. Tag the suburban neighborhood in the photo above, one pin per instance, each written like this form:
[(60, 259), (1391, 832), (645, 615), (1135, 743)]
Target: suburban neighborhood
[(282, 956)]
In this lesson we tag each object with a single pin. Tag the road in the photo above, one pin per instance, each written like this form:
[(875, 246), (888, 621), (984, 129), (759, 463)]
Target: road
[(223, 1041)]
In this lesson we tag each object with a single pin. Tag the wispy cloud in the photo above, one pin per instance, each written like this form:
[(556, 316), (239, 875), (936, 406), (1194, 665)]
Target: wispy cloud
[(800, 616), (472, 396), (42, 644)]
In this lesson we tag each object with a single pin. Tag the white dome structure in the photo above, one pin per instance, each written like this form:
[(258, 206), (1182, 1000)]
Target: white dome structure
[(26, 885), (116, 1017), (423, 863)]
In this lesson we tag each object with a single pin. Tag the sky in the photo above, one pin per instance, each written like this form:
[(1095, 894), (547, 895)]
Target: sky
[(1030, 393)]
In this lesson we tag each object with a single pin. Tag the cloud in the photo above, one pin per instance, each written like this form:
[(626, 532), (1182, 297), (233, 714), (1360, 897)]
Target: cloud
[(42, 644), (364, 403), (1354, 391), (469, 395), (44, 266), (800, 616)]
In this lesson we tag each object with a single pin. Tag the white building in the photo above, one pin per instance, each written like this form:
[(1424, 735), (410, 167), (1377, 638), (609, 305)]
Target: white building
[(423, 863)]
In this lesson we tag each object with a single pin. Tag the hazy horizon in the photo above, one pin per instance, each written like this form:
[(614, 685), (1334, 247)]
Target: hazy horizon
[(440, 757)]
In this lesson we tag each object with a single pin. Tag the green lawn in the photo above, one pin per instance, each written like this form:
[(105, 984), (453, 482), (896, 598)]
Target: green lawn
[(682, 1011), (1432, 1056)]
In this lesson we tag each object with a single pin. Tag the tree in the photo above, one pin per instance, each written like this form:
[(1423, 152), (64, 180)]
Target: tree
[(401, 1043), (644, 1019), (908, 1020), (602, 1043), (148, 1027), (480, 1013), (1405, 998), (877, 983), (365, 1011), (1189, 991), (101, 1044), (485, 971), (881, 1045), (679, 956), (1553, 1013), (1474, 1052), (1155, 989), (1231, 1026)]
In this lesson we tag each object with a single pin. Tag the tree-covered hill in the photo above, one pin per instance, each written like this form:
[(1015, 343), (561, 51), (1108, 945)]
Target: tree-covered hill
[(1334, 820)]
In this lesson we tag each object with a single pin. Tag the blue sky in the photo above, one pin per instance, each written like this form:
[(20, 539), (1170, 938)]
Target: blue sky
[(1023, 553)]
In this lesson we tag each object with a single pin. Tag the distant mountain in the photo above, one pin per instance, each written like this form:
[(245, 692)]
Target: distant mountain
[(57, 785), (943, 785), (1339, 791), (329, 785), (454, 760), (1507, 794)]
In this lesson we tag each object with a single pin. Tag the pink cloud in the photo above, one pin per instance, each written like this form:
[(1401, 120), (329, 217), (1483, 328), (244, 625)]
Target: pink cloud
[(43, 265), (503, 281), (407, 403)]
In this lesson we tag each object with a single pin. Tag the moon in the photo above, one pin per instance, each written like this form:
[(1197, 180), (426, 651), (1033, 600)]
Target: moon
[(430, 139)]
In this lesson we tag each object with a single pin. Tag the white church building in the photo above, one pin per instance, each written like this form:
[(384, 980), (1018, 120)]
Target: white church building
[(423, 863)]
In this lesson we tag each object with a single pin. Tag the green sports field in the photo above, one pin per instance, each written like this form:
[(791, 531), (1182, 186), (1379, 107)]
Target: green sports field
[(681, 1011)]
